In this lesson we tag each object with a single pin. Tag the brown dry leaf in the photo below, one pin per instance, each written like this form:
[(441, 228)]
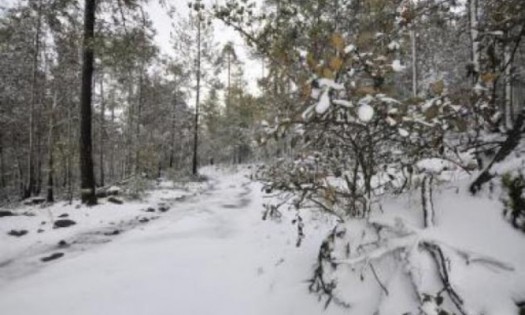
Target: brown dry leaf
[(365, 90), (437, 87), (306, 91), (488, 77), (432, 112), (336, 63), (328, 73), (310, 60), (337, 42)]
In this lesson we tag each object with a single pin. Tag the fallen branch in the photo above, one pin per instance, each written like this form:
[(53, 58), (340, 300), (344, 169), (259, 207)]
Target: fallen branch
[(512, 141)]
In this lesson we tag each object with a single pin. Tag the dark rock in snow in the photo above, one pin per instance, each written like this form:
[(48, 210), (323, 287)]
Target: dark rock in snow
[(6, 213), (116, 232), (63, 215), (52, 257), (39, 230), (150, 209), (163, 208), (63, 243), (143, 220), (17, 233), (115, 200), (64, 223)]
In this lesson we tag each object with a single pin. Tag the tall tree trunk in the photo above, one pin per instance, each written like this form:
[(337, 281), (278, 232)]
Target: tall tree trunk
[(173, 127), (112, 146), (197, 99), (229, 83), (141, 94), (413, 41), (102, 128), (69, 165), (2, 167), (87, 178), (50, 175), (474, 33), (508, 86), (30, 184)]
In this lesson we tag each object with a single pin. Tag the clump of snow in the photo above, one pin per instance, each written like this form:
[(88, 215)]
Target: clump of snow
[(329, 83), (397, 66), (365, 112), (349, 49), (435, 165), (394, 45), (344, 103), (324, 103), (403, 132)]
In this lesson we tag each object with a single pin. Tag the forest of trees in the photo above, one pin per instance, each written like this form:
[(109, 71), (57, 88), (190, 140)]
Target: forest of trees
[(359, 99), (86, 84)]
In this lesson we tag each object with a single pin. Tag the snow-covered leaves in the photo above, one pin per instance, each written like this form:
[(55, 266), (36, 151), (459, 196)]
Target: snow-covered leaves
[(365, 112)]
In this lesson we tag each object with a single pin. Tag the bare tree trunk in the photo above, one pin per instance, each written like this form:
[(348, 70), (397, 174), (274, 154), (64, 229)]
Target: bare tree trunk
[(141, 94), (173, 127), (102, 128), (196, 127), (2, 166), (30, 185), (69, 165), (474, 32), (111, 153), (87, 177), (508, 87), (50, 161), (413, 41)]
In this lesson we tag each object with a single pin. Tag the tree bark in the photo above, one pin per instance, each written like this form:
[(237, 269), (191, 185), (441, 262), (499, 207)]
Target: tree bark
[(2, 166), (173, 127), (196, 127), (50, 175), (474, 32), (87, 178), (512, 141), (413, 41), (508, 86), (102, 129), (30, 184)]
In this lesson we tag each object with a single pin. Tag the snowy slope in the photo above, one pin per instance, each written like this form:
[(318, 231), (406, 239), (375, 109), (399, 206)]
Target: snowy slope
[(210, 254)]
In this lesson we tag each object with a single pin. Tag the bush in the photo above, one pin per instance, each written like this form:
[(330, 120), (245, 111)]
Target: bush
[(514, 202)]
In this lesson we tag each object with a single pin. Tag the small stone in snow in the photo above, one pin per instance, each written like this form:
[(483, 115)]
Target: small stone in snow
[(52, 257), (150, 209), (63, 243), (63, 215), (144, 220), (164, 208), (63, 223), (17, 233), (116, 232)]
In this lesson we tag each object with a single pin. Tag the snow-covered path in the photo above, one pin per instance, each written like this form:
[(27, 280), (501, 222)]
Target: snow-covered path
[(211, 254)]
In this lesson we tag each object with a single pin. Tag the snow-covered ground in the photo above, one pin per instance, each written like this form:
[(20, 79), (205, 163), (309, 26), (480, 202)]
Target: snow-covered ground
[(209, 254)]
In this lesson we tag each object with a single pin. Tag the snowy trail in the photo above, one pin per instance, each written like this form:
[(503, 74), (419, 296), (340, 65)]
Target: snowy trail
[(211, 254)]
